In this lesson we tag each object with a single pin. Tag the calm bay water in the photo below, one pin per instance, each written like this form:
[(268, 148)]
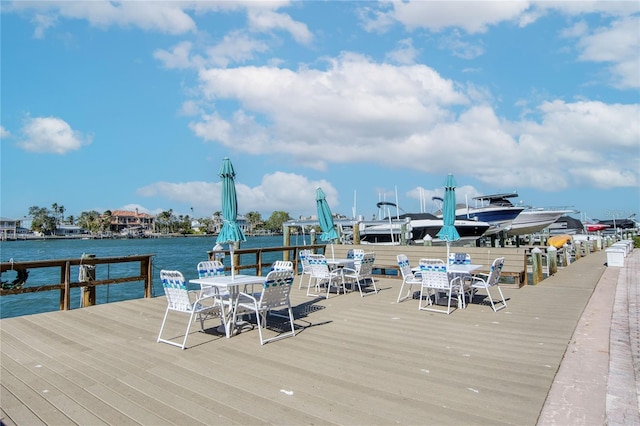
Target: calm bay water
[(182, 254)]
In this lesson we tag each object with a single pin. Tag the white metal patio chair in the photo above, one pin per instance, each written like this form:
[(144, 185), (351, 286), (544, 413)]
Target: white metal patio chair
[(408, 277), (211, 268), (461, 259), (181, 300), (435, 280), (306, 269), (321, 275), (429, 261), (275, 294), (356, 254), (361, 273), (486, 281), (282, 265)]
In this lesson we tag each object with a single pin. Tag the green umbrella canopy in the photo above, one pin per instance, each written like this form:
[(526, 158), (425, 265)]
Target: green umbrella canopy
[(448, 232), (230, 231), (325, 217)]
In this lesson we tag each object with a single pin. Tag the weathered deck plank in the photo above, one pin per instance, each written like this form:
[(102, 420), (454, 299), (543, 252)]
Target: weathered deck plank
[(354, 360)]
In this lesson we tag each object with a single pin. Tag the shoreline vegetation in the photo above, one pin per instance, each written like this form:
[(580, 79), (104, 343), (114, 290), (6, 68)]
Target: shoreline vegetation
[(33, 237)]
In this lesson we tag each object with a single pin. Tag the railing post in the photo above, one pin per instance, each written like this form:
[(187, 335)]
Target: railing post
[(567, 255), (259, 262), (287, 243), (65, 293), (88, 274), (536, 262), (552, 260), (147, 272)]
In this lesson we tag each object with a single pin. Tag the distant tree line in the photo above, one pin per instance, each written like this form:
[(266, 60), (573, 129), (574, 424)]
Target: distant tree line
[(46, 221)]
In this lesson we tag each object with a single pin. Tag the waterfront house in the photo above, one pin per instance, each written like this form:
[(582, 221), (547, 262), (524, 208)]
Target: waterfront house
[(122, 220), (68, 231), (8, 228)]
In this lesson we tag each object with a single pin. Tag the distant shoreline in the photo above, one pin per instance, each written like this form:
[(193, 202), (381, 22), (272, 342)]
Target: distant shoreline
[(119, 237)]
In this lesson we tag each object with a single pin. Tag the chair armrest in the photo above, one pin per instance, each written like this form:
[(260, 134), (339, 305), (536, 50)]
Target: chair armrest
[(247, 298), (478, 279), (215, 299)]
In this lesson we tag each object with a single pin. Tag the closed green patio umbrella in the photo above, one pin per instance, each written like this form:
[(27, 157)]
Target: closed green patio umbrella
[(325, 218), (230, 232), (448, 232)]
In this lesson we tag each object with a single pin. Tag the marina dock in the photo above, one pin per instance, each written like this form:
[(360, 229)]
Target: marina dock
[(564, 351)]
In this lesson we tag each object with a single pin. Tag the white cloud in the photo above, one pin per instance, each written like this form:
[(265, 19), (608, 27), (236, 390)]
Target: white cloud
[(166, 17), (235, 47), (471, 16), (351, 106), (266, 20), (360, 111), (276, 191), (404, 53), (618, 44), (4, 133), (51, 135), (178, 57), (459, 47)]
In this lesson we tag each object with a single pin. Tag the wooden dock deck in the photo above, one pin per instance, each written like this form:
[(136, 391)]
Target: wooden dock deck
[(354, 361)]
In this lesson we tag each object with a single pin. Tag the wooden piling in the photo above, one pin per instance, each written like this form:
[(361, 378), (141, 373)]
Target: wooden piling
[(536, 261), (552, 260)]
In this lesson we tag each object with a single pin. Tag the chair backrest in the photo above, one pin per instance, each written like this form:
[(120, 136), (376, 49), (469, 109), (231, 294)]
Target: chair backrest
[(304, 258), (365, 266), (276, 289), (427, 261), (358, 254), (435, 276), (494, 272), (459, 259), (210, 268), (405, 267), (175, 289), (319, 266), (350, 254), (282, 265)]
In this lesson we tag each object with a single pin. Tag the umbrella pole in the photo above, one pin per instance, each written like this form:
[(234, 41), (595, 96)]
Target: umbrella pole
[(446, 261), (233, 263)]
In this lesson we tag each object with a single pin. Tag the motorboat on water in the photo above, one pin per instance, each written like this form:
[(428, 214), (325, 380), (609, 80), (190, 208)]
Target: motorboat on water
[(495, 209), (532, 220), (626, 223), (566, 225), (417, 227)]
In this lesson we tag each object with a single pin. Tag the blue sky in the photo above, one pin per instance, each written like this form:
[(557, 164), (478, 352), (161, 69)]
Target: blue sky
[(125, 105)]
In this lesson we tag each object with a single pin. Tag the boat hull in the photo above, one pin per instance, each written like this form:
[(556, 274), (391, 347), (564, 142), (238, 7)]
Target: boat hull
[(420, 229), (500, 218), (532, 221)]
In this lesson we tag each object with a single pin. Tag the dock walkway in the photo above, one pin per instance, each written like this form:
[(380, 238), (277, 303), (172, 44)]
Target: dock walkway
[(354, 361)]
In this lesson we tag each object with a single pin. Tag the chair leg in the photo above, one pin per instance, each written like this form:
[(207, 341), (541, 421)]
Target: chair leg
[(293, 329), (186, 334), (502, 300), (164, 320), (373, 283), (409, 292), (258, 315), (400, 298)]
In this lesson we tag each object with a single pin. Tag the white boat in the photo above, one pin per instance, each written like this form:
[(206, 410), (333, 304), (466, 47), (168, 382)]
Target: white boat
[(418, 226), (566, 225), (532, 220), (495, 209)]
